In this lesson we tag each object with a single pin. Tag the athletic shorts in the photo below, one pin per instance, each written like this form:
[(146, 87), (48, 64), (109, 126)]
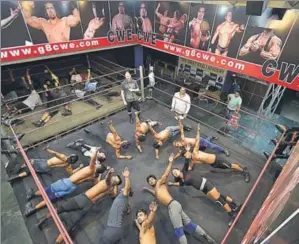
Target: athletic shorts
[(60, 189), (41, 165), (73, 210), (221, 163), (208, 186)]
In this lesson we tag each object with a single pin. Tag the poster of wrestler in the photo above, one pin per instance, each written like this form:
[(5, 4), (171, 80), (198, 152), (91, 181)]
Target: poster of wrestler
[(51, 22), (200, 24), (290, 52), (95, 18), (122, 15), (13, 28), (260, 44), (228, 30), (171, 21), (144, 16)]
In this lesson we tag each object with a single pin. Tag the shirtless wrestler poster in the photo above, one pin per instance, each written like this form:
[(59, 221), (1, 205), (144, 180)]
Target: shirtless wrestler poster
[(13, 28), (95, 18), (171, 21), (144, 16), (200, 24), (228, 30), (122, 15), (51, 22), (260, 44)]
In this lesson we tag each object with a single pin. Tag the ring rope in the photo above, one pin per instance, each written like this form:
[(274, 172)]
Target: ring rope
[(219, 101), (244, 128), (60, 87), (108, 61), (252, 189), (45, 197)]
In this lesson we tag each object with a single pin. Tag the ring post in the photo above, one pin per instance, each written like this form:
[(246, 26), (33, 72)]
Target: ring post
[(141, 82)]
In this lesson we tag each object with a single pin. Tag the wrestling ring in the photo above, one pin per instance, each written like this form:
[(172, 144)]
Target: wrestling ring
[(155, 104)]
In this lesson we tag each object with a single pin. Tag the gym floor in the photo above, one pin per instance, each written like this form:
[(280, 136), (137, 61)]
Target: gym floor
[(201, 209)]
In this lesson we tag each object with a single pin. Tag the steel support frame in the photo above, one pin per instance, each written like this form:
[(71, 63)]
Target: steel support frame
[(274, 93)]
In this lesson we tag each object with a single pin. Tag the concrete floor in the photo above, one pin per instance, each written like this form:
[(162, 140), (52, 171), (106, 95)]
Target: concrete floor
[(203, 211)]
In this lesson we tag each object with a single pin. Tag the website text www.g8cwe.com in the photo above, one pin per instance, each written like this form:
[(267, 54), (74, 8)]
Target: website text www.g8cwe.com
[(47, 49), (198, 55)]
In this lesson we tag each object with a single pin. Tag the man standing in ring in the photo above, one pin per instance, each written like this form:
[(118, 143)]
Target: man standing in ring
[(56, 29), (129, 88), (225, 33)]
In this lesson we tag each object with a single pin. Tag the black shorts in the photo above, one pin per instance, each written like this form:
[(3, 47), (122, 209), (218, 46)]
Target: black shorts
[(221, 163), (133, 104), (208, 187), (73, 210)]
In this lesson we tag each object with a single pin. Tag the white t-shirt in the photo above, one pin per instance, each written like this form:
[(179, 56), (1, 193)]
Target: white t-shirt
[(181, 104), (234, 102), (151, 78), (76, 78), (33, 100)]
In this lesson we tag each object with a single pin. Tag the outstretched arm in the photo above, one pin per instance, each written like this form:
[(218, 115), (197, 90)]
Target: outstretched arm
[(149, 190), (157, 12), (53, 76), (60, 156), (274, 50), (33, 21), (92, 161), (127, 188), (151, 217), (6, 22), (168, 169), (74, 19), (182, 130), (112, 129), (151, 129), (197, 140), (215, 35), (108, 176)]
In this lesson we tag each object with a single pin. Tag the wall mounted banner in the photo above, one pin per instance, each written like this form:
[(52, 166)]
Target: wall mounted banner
[(264, 47)]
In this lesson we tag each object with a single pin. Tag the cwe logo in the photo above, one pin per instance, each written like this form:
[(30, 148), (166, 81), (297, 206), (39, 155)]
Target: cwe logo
[(287, 72), (119, 35)]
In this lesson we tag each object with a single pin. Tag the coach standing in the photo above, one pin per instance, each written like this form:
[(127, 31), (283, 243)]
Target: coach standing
[(181, 103), (129, 90)]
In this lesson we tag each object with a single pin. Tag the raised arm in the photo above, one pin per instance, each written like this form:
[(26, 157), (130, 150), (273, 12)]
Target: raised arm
[(108, 176), (197, 139), (151, 129), (157, 12), (114, 23), (60, 156), (33, 21), (151, 217), (151, 191), (74, 19), (53, 76), (274, 50), (168, 169), (6, 22), (93, 160), (127, 188), (112, 129), (182, 130), (246, 48)]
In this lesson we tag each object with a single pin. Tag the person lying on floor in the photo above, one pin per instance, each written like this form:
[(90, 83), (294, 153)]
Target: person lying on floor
[(53, 97), (117, 142), (145, 224), (87, 151), (290, 139), (178, 217), (204, 143), (66, 186), (45, 165), (114, 230), (214, 160), (74, 209), (164, 135), (188, 178), (31, 101), (141, 130), (84, 88)]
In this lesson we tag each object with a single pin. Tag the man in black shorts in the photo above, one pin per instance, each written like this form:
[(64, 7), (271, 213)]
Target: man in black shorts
[(113, 232), (129, 90), (75, 208)]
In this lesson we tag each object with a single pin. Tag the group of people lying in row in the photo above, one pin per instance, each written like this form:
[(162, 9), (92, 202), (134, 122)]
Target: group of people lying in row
[(83, 86)]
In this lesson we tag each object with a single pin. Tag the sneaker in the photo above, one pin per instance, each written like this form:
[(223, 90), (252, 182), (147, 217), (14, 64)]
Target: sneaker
[(281, 128), (226, 152), (274, 141), (30, 194), (29, 209), (80, 141), (246, 176), (66, 113), (87, 131)]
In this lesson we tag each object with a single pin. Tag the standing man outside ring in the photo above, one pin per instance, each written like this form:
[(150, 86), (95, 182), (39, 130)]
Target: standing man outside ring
[(234, 102), (129, 90), (181, 104)]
